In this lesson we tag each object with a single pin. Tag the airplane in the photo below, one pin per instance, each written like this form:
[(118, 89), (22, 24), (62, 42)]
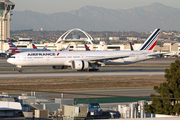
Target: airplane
[(84, 60), (14, 49)]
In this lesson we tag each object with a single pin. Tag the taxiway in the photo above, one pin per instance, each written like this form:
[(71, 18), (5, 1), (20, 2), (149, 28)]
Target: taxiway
[(27, 74)]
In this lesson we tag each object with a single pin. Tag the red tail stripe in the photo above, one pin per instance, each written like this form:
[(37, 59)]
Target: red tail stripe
[(12, 48), (153, 45)]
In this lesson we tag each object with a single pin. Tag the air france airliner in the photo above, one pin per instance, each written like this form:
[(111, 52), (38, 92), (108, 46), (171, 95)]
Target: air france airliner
[(84, 60)]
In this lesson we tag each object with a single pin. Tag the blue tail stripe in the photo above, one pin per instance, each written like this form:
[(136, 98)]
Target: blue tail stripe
[(151, 42)]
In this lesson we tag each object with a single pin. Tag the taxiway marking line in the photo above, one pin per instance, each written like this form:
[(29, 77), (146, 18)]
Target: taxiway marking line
[(21, 77), (88, 76)]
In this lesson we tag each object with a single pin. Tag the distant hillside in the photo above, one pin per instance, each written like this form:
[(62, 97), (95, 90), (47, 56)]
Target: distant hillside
[(88, 18)]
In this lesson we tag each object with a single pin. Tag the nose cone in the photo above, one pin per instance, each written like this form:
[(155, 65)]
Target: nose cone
[(10, 60)]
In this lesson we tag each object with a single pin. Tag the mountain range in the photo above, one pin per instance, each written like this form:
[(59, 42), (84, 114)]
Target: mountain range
[(90, 18)]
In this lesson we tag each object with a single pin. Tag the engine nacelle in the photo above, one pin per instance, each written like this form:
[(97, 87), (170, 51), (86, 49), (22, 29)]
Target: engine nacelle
[(59, 67), (79, 65)]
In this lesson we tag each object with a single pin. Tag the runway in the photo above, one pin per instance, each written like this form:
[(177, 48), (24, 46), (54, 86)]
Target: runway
[(16, 75)]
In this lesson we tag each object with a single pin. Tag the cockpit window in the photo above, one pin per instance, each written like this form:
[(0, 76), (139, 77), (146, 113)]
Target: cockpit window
[(12, 57)]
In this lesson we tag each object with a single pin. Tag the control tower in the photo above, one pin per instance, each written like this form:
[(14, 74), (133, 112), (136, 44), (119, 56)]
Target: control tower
[(5, 17)]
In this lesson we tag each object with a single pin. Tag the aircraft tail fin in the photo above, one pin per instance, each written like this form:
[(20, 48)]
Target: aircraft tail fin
[(11, 45), (68, 47), (132, 49), (45, 47), (150, 43), (34, 47), (87, 48)]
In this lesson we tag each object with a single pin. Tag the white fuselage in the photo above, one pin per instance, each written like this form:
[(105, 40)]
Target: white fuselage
[(64, 57)]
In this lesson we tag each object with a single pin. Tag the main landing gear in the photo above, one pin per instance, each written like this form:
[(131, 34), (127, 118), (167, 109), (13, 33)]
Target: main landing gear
[(94, 68), (90, 70)]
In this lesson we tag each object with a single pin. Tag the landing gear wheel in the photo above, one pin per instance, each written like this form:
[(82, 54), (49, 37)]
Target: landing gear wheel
[(20, 70)]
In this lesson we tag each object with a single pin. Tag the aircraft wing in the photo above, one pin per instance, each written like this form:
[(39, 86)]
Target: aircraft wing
[(155, 54), (107, 58), (99, 59)]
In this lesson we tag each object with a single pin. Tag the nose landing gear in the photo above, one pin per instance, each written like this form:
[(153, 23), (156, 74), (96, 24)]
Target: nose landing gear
[(19, 68)]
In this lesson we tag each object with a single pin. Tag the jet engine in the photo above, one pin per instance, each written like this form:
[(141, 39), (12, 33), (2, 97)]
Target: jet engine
[(59, 67), (80, 65)]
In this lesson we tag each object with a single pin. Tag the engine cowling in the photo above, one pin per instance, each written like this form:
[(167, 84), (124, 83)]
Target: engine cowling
[(80, 65), (59, 67)]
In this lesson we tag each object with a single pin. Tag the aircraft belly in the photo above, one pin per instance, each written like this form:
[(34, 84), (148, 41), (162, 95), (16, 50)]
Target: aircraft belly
[(54, 62), (115, 62)]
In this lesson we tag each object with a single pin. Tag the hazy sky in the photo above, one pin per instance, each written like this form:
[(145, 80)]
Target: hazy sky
[(53, 6)]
